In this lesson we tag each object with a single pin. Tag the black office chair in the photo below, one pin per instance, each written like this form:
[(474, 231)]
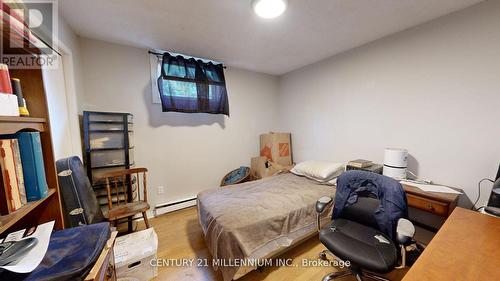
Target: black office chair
[(368, 225)]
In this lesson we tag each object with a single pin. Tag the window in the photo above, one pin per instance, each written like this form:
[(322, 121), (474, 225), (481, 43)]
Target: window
[(192, 86)]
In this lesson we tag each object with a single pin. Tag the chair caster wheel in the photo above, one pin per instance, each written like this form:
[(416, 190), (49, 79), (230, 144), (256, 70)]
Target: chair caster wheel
[(322, 256)]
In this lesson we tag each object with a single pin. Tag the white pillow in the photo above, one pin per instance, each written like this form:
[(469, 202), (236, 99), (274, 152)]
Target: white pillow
[(321, 171)]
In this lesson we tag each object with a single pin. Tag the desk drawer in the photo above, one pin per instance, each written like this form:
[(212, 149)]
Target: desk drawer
[(428, 205)]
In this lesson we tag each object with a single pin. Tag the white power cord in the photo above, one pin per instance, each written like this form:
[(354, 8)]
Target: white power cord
[(417, 179)]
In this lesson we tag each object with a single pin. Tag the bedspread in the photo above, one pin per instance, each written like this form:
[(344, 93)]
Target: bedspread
[(254, 219)]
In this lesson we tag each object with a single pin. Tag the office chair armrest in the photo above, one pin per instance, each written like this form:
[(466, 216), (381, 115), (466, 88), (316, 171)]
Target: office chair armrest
[(321, 205), (405, 231)]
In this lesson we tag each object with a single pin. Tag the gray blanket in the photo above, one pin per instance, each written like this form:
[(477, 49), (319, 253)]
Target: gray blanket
[(252, 220)]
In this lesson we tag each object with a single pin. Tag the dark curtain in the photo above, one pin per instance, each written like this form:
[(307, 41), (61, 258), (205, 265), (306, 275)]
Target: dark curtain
[(192, 86)]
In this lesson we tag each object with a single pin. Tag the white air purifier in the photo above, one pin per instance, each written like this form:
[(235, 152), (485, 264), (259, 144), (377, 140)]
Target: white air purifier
[(395, 163)]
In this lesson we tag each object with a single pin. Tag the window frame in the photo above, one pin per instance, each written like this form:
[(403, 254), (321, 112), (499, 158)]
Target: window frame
[(155, 68), (155, 72)]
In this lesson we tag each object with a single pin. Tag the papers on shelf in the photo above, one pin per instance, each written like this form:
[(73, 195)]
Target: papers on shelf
[(8, 105), (35, 256), (432, 187)]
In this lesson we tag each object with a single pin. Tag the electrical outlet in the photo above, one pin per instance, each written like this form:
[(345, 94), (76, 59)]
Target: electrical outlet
[(161, 190)]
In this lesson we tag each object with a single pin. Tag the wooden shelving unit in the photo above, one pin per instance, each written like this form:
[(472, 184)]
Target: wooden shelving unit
[(10, 219), (48, 208), (12, 124)]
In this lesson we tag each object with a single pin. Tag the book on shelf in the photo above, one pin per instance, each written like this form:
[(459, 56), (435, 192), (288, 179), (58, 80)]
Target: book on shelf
[(19, 171), (360, 163), (5, 83), (30, 170), (18, 92), (11, 191), (30, 147), (374, 168), (8, 102)]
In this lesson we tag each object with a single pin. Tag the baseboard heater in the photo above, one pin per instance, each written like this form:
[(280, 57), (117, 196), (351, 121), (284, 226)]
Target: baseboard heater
[(174, 206)]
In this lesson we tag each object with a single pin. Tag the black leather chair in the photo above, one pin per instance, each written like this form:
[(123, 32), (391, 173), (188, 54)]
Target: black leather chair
[(356, 238)]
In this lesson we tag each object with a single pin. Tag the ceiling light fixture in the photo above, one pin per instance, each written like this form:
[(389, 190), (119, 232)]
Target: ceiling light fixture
[(269, 9)]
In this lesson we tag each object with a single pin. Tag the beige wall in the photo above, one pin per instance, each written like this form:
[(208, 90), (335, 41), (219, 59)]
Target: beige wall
[(434, 90), (64, 89), (185, 153)]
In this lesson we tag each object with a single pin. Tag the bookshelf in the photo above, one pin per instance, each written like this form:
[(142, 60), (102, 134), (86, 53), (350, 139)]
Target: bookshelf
[(13, 124), (48, 208), (116, 153), (10, 219)]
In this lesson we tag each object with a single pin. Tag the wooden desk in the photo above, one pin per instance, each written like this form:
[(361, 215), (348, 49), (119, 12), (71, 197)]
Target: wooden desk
[(437, 203), (440, 204), (467, 247)]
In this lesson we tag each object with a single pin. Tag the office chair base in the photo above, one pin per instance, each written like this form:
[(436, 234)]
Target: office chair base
[(358, 274), (374, 277), (336, 275), (323, 255)]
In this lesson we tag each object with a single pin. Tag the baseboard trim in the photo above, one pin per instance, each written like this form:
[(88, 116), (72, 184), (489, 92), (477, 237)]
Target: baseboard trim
[(161, 209)]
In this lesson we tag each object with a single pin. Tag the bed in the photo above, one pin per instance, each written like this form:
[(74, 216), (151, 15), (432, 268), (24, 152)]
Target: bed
[(258, 220)]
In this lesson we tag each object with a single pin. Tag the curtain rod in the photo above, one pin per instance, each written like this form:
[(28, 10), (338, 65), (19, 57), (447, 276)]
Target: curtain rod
[(158, 54)]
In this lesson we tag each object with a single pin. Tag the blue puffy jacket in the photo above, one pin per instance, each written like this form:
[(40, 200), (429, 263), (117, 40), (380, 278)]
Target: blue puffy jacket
[(391, 194)]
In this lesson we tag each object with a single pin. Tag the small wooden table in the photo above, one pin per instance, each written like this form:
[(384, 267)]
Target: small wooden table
[(467, 247), (437, 203)]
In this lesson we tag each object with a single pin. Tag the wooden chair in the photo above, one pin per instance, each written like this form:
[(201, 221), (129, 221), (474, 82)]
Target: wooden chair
[(124, 206)]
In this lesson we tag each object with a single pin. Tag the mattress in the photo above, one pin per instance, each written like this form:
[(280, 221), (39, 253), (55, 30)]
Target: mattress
[(257, 219)]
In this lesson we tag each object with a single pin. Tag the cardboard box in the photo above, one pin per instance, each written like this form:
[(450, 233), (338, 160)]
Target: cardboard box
[(8, 105), (277, 148), (261, 167), (133, 255)]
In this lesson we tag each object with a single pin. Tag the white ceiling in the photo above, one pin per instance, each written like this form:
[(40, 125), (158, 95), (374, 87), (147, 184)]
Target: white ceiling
[(229, 31)]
